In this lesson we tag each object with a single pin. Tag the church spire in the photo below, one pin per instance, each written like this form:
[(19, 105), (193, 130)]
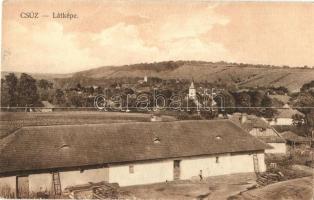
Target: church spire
[(192, 85), (192, 90)]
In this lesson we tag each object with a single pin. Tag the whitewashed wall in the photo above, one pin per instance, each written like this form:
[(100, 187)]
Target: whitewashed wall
[(277, 148), (144, 173), (43, 181), (227, 164), (191, 167), (282, 121), (40, 182), (71, 178), (261, 160)]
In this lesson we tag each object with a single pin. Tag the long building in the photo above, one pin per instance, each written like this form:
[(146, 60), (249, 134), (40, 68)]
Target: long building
[(51, 158)]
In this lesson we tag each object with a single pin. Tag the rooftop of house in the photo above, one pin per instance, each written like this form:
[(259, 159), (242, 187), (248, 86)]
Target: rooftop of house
[(287, 113), (250, 122), (46, 104), (293, 137), (272, 139), (51, 147)]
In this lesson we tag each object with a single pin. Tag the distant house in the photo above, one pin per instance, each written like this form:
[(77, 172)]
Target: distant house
[(144, 80), (155, 118), (284, 117), (294, 140), (260, 128), (55, 157), (118, 86), (92, 86), (48, 107)]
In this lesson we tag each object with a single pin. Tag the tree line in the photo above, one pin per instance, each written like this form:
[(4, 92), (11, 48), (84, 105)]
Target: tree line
[(22, 91)]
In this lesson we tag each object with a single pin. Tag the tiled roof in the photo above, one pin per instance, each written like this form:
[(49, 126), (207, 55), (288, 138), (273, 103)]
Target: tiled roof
[(48, 147), (291, 136), (251, 121), (271, 139), (287, 113), (254, 122)]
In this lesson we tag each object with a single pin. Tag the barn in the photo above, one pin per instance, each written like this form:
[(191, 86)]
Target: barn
[(51, 158)]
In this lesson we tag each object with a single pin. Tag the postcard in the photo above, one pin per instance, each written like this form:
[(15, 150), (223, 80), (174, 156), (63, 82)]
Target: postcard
[(158, 99)]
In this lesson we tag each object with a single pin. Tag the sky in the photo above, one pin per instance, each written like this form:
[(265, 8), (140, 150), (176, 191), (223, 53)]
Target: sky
[(112, 33)]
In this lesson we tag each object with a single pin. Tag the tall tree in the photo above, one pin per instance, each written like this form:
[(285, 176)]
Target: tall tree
[(11, 81), (267, 112), (5, 96), (305, 103), (243, 101), (59, 97), (44, 84), (27, 91)]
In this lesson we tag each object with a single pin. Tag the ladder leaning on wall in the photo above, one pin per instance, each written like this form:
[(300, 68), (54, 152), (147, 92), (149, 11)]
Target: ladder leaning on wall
[(56, 183), (255, 162)]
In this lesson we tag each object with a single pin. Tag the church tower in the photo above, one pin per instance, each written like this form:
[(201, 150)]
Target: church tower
[(192, 91)]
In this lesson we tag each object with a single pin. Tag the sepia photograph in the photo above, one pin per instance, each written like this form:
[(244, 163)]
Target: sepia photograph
[(157, 99)]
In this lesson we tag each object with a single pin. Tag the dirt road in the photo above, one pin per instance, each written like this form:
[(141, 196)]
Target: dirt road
[(217, 187)]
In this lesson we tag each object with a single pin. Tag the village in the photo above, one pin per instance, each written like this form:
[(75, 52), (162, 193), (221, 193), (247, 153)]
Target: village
[(157, 100), (51, 152)]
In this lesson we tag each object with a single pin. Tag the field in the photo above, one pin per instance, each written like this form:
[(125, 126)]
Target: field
[(10, 121)]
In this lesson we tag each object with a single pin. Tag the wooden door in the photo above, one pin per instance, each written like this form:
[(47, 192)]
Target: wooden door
[(176, 169), (22, 187)]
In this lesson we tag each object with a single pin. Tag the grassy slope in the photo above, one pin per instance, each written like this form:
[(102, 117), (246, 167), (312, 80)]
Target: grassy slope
[(301, 188), (246, 75), (252, 76)]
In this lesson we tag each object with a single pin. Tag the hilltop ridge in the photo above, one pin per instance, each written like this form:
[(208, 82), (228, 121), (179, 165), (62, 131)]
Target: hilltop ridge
[(243, 75)]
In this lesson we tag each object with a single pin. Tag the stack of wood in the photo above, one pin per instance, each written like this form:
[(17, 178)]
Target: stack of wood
[(105, 192), (267, 178), (100, 190)]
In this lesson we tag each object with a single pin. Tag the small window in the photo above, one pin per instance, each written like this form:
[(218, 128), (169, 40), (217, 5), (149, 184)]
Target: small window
[(131, 169), (64, 146), (156, 140), (217, 159)]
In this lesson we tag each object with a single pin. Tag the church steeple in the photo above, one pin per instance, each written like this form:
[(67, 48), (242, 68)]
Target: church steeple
[(192, 85), (192, 90)]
